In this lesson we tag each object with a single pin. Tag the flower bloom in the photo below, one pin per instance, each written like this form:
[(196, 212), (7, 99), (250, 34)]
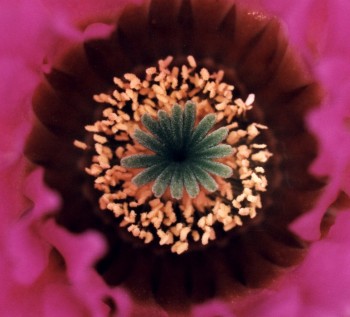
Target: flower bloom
[(47, 270)]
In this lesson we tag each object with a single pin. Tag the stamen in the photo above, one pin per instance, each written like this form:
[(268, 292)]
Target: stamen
[(175, 157)]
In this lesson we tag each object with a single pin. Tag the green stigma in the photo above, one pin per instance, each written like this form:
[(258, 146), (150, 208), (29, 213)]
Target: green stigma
[(183, 154)]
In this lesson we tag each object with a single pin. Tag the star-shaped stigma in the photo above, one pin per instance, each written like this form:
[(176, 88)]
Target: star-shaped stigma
[(183, 154)]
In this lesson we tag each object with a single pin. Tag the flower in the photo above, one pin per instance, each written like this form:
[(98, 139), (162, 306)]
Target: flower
[(45, 264)]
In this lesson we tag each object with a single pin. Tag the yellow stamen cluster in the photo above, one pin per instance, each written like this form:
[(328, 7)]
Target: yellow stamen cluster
[(176, 222)]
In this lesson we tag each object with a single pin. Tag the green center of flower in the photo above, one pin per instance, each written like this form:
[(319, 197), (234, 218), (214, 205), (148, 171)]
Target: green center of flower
[(183, 154)]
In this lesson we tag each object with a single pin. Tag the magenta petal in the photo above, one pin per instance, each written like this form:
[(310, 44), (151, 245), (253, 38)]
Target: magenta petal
[(75, 10), (44, 200), (98, 30), (307, 23), (59, 301), (325, 276), (337, 36), (308, 225), (284, 302), (213, 308), (319, 287), (311, 25), (15, 105), (28, 252), (30, 30), (80, 253), (328, 123)]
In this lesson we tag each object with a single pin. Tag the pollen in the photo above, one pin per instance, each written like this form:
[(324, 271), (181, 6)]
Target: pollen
[(174, 156)]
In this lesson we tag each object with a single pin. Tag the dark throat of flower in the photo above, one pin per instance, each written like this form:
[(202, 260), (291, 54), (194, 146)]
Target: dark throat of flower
[(175, 157)]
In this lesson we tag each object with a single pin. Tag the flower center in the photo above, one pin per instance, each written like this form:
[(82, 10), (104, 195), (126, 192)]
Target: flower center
[(183, 154), (175, 157)]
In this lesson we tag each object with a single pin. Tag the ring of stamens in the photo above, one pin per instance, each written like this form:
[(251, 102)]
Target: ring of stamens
[(175, 219)]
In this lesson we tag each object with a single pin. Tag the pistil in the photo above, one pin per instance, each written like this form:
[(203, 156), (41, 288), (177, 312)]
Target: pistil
[(183, 154)]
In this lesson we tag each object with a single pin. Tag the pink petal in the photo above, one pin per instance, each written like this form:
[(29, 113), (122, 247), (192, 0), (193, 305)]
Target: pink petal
[(59, 301), (75, 11), (17, 84), (80, 253), (319, 287), (213, 308), (28, 252), (328, 123)]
